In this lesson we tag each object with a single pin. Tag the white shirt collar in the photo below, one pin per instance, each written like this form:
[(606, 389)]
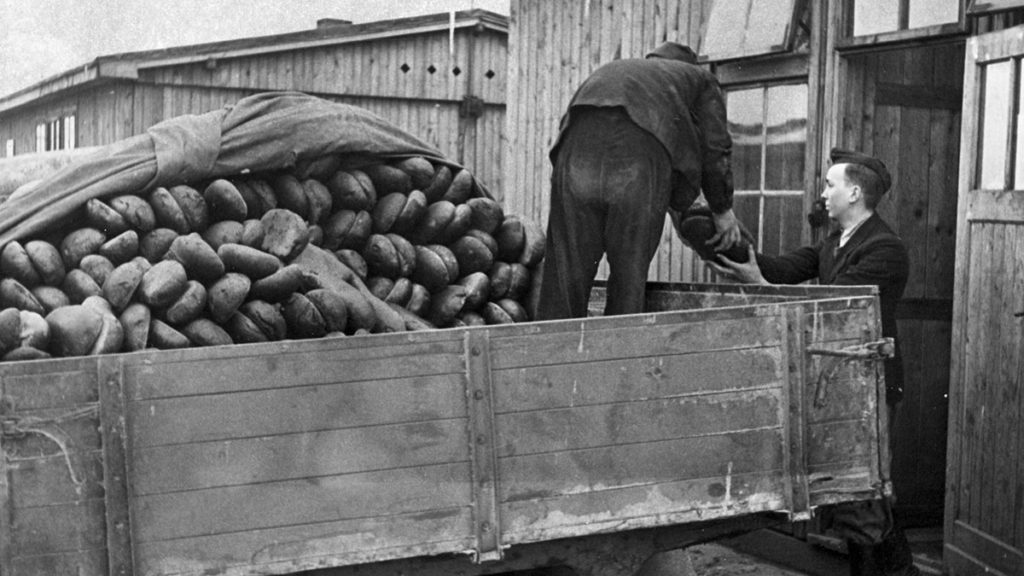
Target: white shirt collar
[(848, 232)]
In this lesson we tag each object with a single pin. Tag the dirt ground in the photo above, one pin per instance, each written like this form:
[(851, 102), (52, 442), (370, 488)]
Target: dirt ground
[(717, 560), (767, 553)]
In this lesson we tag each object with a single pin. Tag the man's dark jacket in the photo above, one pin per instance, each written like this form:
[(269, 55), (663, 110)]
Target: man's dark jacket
[(681, 104), (874, 255)]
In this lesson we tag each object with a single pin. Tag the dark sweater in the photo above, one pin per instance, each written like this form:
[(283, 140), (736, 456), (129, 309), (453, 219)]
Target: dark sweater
[(874, 255), (682, 106)]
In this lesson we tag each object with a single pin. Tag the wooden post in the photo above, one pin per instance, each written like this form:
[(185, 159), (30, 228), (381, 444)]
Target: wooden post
[(110, 378), (482, 445), (796, 458)]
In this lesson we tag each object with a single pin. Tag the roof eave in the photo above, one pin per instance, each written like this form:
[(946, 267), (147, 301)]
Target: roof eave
[(158, 62), (127, 65)]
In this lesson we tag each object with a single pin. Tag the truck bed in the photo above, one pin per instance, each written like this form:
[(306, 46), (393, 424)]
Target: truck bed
[(297, 455)]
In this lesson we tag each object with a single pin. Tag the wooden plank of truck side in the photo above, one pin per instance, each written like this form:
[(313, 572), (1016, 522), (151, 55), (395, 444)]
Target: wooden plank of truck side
[(292, 549), (50, 524), (338, 497), (631, 454), (86, 562), (182, 467), (522, 389), (630, 422), (289, 364), (598, 339), (224, 416), (356, 449), (261, 458), (43, 480)]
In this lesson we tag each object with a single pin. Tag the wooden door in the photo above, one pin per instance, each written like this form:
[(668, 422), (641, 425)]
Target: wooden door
[(984, 521)]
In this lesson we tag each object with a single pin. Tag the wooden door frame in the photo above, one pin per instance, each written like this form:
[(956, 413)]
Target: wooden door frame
[(980, 50)]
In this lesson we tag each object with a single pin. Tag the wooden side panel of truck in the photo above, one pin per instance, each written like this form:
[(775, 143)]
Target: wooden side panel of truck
[(467, 444)]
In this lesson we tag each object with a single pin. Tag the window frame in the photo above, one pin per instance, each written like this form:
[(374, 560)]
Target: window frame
[(1012, 145), (989, 7), (764, 83), (57, 133), (788, 41), (845, 40)]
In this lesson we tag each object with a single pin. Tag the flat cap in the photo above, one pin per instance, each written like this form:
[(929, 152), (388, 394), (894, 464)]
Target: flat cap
[(674, 51), (841, 156)]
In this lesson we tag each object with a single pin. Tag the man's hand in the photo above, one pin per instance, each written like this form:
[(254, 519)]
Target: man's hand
[(728, 231), (746, 273)]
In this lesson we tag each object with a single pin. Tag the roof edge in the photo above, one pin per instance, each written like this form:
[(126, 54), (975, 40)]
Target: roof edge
[(126, 65)]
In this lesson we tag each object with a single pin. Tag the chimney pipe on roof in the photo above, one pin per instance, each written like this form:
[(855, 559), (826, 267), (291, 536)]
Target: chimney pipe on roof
[(332, 23)]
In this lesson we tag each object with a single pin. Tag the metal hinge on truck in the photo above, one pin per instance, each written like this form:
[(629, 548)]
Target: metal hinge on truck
[(839, 357)]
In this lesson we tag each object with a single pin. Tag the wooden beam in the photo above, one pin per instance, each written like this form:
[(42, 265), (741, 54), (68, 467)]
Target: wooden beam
[(917, 96), (763, 70)]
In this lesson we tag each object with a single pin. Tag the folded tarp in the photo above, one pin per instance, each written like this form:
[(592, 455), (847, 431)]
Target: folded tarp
[(269, 131)]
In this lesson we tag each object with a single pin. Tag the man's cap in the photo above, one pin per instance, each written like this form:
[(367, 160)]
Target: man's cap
[(674, 51), (841, 156)]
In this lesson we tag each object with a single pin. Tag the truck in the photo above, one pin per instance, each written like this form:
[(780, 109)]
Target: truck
[(585, 445)]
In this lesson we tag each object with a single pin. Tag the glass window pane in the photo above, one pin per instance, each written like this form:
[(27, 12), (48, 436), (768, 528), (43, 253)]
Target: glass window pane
[(747, 208), (787, 137), (933, 12), (745, 109), (747, 28), (771, 228), (783, 222), (995, 113), (875, 16), (989, 6), (768, 26), (1018, 169)]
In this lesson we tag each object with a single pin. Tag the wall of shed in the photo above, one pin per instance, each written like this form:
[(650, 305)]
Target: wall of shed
[(369, 74), (904, 106), (553, 46)]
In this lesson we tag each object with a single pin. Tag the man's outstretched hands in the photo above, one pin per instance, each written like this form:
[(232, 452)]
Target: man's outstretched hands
[(728, 227), (746, 272)]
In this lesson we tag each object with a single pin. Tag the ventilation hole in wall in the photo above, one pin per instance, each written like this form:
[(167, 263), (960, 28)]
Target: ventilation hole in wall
[(489, 74), (405, 68), (456, 71), (431, 69)]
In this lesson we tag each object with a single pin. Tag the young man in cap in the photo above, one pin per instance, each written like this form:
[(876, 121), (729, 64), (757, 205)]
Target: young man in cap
[(639, 136), (863, 250)]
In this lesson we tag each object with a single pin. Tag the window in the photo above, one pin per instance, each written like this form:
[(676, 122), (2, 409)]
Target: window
[(1001, 140), (768, 125), (57, 134), (978, 7), (740, 28), (871, 21)]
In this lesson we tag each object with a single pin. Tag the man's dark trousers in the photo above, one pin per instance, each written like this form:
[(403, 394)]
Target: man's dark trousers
[(610, 191)]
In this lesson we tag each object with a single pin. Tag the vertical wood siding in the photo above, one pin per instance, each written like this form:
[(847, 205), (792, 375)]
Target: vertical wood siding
[(553, 47), (887, 111), (411, 81)]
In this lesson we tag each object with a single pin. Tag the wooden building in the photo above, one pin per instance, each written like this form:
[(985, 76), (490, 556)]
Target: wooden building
[(440, 77), (886, 77)]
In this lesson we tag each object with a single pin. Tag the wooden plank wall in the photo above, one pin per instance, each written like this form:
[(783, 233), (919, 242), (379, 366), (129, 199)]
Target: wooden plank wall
[(48, 524), (340, 457), (553, 47), (987, 486), (597, 432), (370, 68), (416, 82), (424, 99), (904, 107)]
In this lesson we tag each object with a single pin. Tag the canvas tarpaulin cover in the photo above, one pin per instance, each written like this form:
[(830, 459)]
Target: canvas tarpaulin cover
[(269, 131)]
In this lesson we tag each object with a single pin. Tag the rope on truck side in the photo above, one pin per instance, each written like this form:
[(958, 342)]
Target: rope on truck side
[(13, 426)]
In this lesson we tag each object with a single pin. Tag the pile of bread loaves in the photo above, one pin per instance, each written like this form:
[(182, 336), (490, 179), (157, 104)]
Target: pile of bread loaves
[(400, 245)]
